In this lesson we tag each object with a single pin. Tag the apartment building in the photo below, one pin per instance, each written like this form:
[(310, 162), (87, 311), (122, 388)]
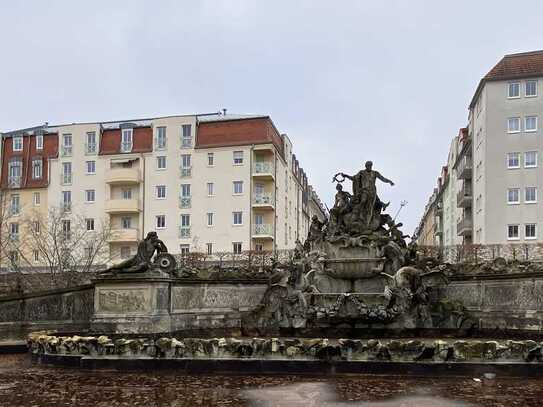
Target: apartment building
[(494, 161), (208, 183)]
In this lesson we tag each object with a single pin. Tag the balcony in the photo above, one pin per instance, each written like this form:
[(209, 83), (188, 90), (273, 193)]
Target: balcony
[(185, 172), (123, 236), (185, 202), (90, 148), (126, 147), (464, 197), (263, 170), (464, 227), (186, 142), (123, 176), (123, 206), (439, 210), (438, 230), (66, 206), (14, 181), (66, 179), (464, 168), (184, 232), (66, 151), (263, 231), (263, 200)]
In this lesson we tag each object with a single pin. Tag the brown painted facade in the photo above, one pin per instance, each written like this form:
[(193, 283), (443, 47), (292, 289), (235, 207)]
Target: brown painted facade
[(29, 152), (237, 133), (142, 138)]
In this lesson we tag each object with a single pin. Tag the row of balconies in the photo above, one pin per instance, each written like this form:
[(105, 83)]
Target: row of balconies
[(464, 197), (464, 226), (262, 201), (259, 231), (464, 167)]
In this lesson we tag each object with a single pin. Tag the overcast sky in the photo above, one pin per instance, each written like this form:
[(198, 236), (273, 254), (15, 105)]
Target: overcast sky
[(348, 81)]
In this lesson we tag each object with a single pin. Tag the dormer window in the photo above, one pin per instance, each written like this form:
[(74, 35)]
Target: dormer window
[(39, 141), (126, 141), (18, 143)]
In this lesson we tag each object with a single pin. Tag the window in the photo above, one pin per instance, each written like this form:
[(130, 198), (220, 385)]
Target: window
[(513, 90), (161, 221), (126, 222), (14, 231), (66, 229), (530, 159), (14, 171), (184, 230), (512, 232), (36, 198), (238, 187), (66, 144), (530, 231), (513, 160), (125, 252), (90, 195), (210, 190), (209, 249), (513, 125), (160, 142), (126, 141), (531, 89), (90, 145), (14, 257), (17, 143), (210, 159), (36, 226), (259, 247), (186, 136), (161, 162), (184, 249), (67, 173), (90, 223), (185, 165), (66, 200), (39, 141), (161, 191), (36, 255), (37, 168), (15, 204), (513, 196), (236, 247), (91, 167), (127, 193), (238, 218), (210, 219), (238, 157), (530, 195), (530, 123)]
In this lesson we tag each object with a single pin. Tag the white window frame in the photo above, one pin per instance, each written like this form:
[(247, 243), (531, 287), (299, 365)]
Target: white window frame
[(526, 89), (89, 222), (240, 157), (535, 230), (87, 164), (234, 218), (209, 249), (17, 143), (210, 159), (525, 160), (184, 249), (161, 139), (518, 232), (158, 188), (525, 193), (518, 196), (158, 159), (39, 141), (526, 130), (157, 217), (235, 245), (186, 141), (37, 163), (237, 183), (126, 222), (88, 193), (36, 199), (509, 131), (127, 146), (210, 188), (210, 219), (126, 193), (509, 155), (509, 84), (90, 147)]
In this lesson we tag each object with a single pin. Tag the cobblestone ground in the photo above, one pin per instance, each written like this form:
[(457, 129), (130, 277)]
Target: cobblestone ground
[(22, 384)]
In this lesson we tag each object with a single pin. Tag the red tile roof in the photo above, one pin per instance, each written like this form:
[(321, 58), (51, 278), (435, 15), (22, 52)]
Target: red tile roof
[(526, 64)]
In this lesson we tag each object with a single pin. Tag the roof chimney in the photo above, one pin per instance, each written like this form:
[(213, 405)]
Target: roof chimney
[(224, 112)]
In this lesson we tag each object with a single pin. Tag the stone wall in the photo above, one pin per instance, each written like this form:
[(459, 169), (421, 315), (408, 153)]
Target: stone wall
[(67, 310)]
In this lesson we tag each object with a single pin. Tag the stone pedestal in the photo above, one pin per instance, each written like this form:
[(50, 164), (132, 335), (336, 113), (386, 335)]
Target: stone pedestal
[(132, 303)]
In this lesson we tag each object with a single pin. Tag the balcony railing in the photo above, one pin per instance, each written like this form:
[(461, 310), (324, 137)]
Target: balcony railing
[(185, 172), (437, 229), (265, 167), (184, 232), (14, 181), (123, 176), (66, 179), (14, 210), (265, 198), (263, 229), (464, 227), (123, 206), (123, 235), (464, 168), (464, 197), (90, 148), (66, 151), (65, 206), (185, 201), (126, 147), (14, 237), (186, 142)]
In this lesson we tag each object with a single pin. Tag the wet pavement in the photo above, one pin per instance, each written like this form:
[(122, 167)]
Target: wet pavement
[(23, 384)]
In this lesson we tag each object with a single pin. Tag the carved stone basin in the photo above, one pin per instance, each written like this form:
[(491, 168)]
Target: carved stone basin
[(353, 268)]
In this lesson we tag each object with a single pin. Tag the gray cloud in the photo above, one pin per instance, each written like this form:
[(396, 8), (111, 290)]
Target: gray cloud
[(347, 80)]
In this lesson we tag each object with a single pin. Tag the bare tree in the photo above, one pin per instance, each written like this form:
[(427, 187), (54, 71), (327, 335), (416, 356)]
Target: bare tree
[(64, 242)]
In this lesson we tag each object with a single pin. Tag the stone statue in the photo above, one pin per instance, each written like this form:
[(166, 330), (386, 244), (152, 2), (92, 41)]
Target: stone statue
[(142, 261), (365, 192), (316, 233), (342, 205)]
